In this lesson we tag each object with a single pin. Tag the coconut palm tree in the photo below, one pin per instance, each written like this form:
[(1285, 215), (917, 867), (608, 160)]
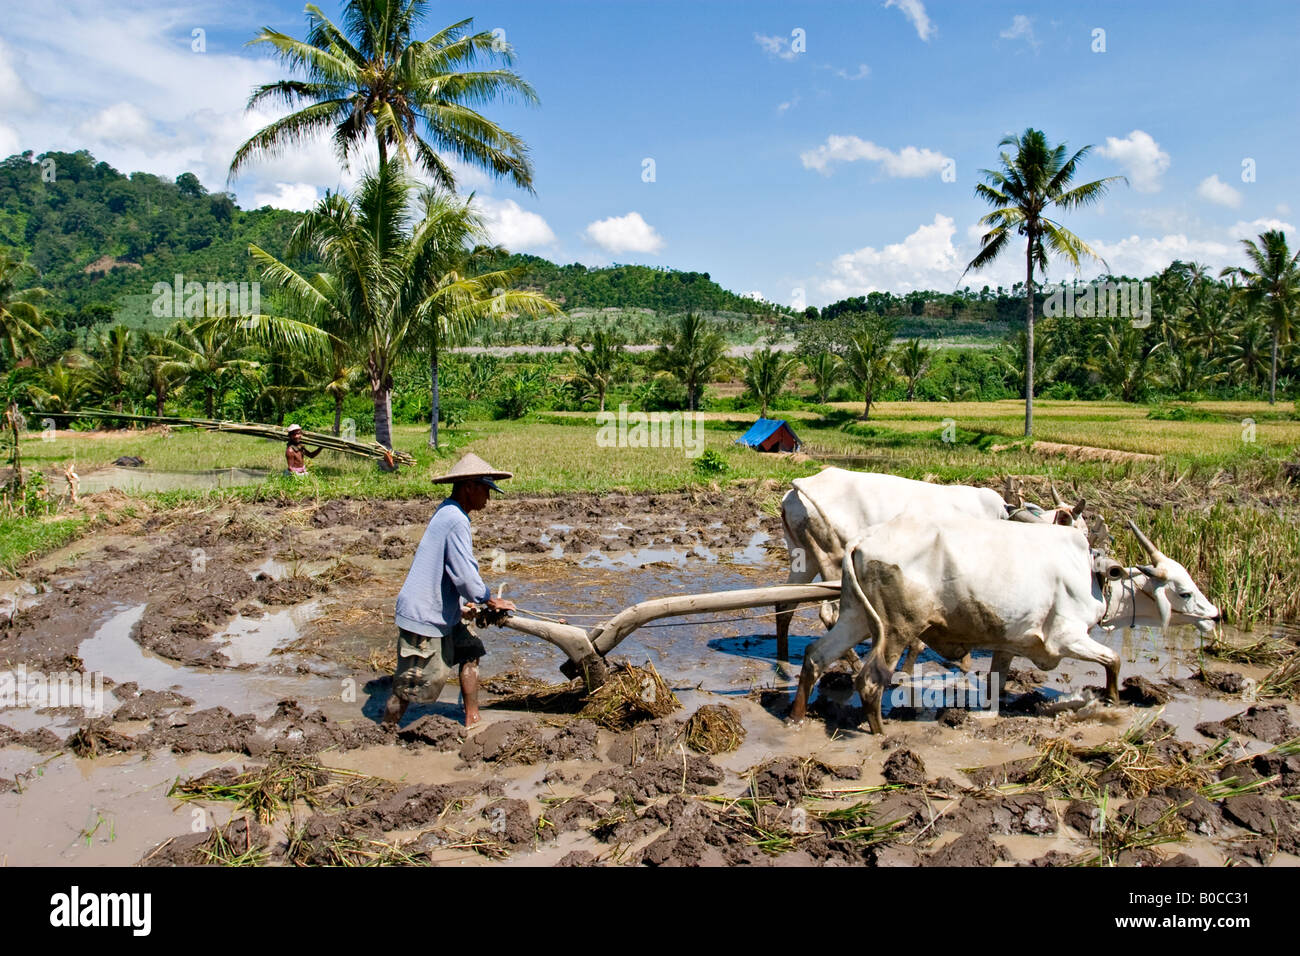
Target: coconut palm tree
[(869, 360), (389, 284), (912, 360), (368, 76), (21, 320), (209, 355), (1270, 288), (1034, 180), (160, 369), (599, 362), (690, 351), (108, 364), (824, 368), (766, 373)]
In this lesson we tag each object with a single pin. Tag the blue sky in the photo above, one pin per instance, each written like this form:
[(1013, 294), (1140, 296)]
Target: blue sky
[(801, 151)]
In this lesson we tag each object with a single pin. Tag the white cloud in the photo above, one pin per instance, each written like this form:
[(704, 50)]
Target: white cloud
[(8, 141), (15, 95), (512, 226), (788, 104), (862, 73), (777, 46), (1215, 190), (628, 233), (926, 259), (1143, 256), (914, 10), (1022, 28), (296, 196), (122, 124), (1252, 230), (909, 162), (1142, 158)]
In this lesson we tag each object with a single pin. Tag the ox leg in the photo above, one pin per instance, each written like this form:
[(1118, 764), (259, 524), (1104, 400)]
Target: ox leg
[(997, 673), (819, 655), (1082, 647), (785, 612), (875, 675)]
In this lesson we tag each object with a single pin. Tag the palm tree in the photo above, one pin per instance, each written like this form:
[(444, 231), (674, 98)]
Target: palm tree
[(825, 368), (598, 363), (160, 369), (450, 248), (1270, 289), (1032, 182), (59, 386), (210, 355), (370, 77), (765, 375), (1123, 360), (337, 375), (20, 319), (385, 288), (108, 364), (690, 351), (913, 359), (868, 359)]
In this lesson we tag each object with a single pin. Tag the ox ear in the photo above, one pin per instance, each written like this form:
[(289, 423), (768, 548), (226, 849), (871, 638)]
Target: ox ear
[(1149, 571)]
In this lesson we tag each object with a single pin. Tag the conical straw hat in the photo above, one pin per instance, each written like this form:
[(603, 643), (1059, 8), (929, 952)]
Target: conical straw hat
[(471, 466)]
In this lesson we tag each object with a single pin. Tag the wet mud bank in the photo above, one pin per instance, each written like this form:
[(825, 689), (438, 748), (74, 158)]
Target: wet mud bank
[(245, 655)]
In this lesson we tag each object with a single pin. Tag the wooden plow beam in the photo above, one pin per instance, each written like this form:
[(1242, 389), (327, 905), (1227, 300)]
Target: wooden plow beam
[(586, 649)]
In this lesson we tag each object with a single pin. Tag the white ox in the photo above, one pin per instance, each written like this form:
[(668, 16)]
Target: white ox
[(822, 513), (962, 584)]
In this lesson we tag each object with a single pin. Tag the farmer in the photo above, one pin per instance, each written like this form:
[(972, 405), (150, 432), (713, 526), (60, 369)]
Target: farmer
[(294, 451), (432, 633)]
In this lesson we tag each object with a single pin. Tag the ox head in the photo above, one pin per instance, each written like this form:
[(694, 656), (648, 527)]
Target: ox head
[(1070, 516), (1167, 583)]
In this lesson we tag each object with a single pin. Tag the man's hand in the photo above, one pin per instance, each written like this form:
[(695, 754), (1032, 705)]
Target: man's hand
[(500, 604)]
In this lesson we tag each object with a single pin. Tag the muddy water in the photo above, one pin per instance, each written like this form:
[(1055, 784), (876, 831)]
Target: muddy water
[(114, 809)]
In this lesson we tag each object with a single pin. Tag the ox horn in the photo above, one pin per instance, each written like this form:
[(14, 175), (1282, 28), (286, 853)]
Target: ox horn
[(1156, 555), (1078, 509), (1056, 495)]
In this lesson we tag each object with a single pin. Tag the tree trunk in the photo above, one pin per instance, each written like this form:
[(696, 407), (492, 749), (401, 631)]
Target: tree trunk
[(338, 415), (209, 407), (911, 389), (381, 393), (602, 399), (1029, 336), (433, 390), (158, 402), (18, 458), (1272, 381)]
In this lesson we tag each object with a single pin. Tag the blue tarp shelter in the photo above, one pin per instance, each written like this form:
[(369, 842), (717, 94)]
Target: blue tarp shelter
[(768, 434)]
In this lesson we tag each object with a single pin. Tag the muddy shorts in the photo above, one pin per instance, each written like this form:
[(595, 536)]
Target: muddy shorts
[(424, 664)]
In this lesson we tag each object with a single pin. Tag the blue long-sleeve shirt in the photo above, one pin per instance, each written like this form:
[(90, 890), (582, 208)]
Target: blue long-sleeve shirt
[(444, 571)]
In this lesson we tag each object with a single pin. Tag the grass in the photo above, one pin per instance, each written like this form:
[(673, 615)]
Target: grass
[(1217, 503)]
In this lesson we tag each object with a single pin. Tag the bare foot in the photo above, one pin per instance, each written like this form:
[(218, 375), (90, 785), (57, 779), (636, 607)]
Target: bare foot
[(472, 720), (394, 710)]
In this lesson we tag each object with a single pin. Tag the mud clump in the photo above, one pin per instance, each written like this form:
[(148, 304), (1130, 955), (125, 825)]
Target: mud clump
[(1271, 724), (241, 841), (214, 730), (578, 858), (713, 729), (1279, 820), (1012, 813), (96, 738), (994, 775), (147, 704), (971, 849), (691, 774), (434, 730), (787, 780), (42, 740), (905, 767), (527, 742), (1142, 693), (510, 823)]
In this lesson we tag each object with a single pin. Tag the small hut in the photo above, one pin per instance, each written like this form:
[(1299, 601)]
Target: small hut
[(768, 434)]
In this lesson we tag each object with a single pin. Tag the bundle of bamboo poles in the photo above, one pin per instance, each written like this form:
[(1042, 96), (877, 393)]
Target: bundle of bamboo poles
[(347, 446)]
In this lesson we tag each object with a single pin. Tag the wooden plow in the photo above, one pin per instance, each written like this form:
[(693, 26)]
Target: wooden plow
[(586, 649)]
